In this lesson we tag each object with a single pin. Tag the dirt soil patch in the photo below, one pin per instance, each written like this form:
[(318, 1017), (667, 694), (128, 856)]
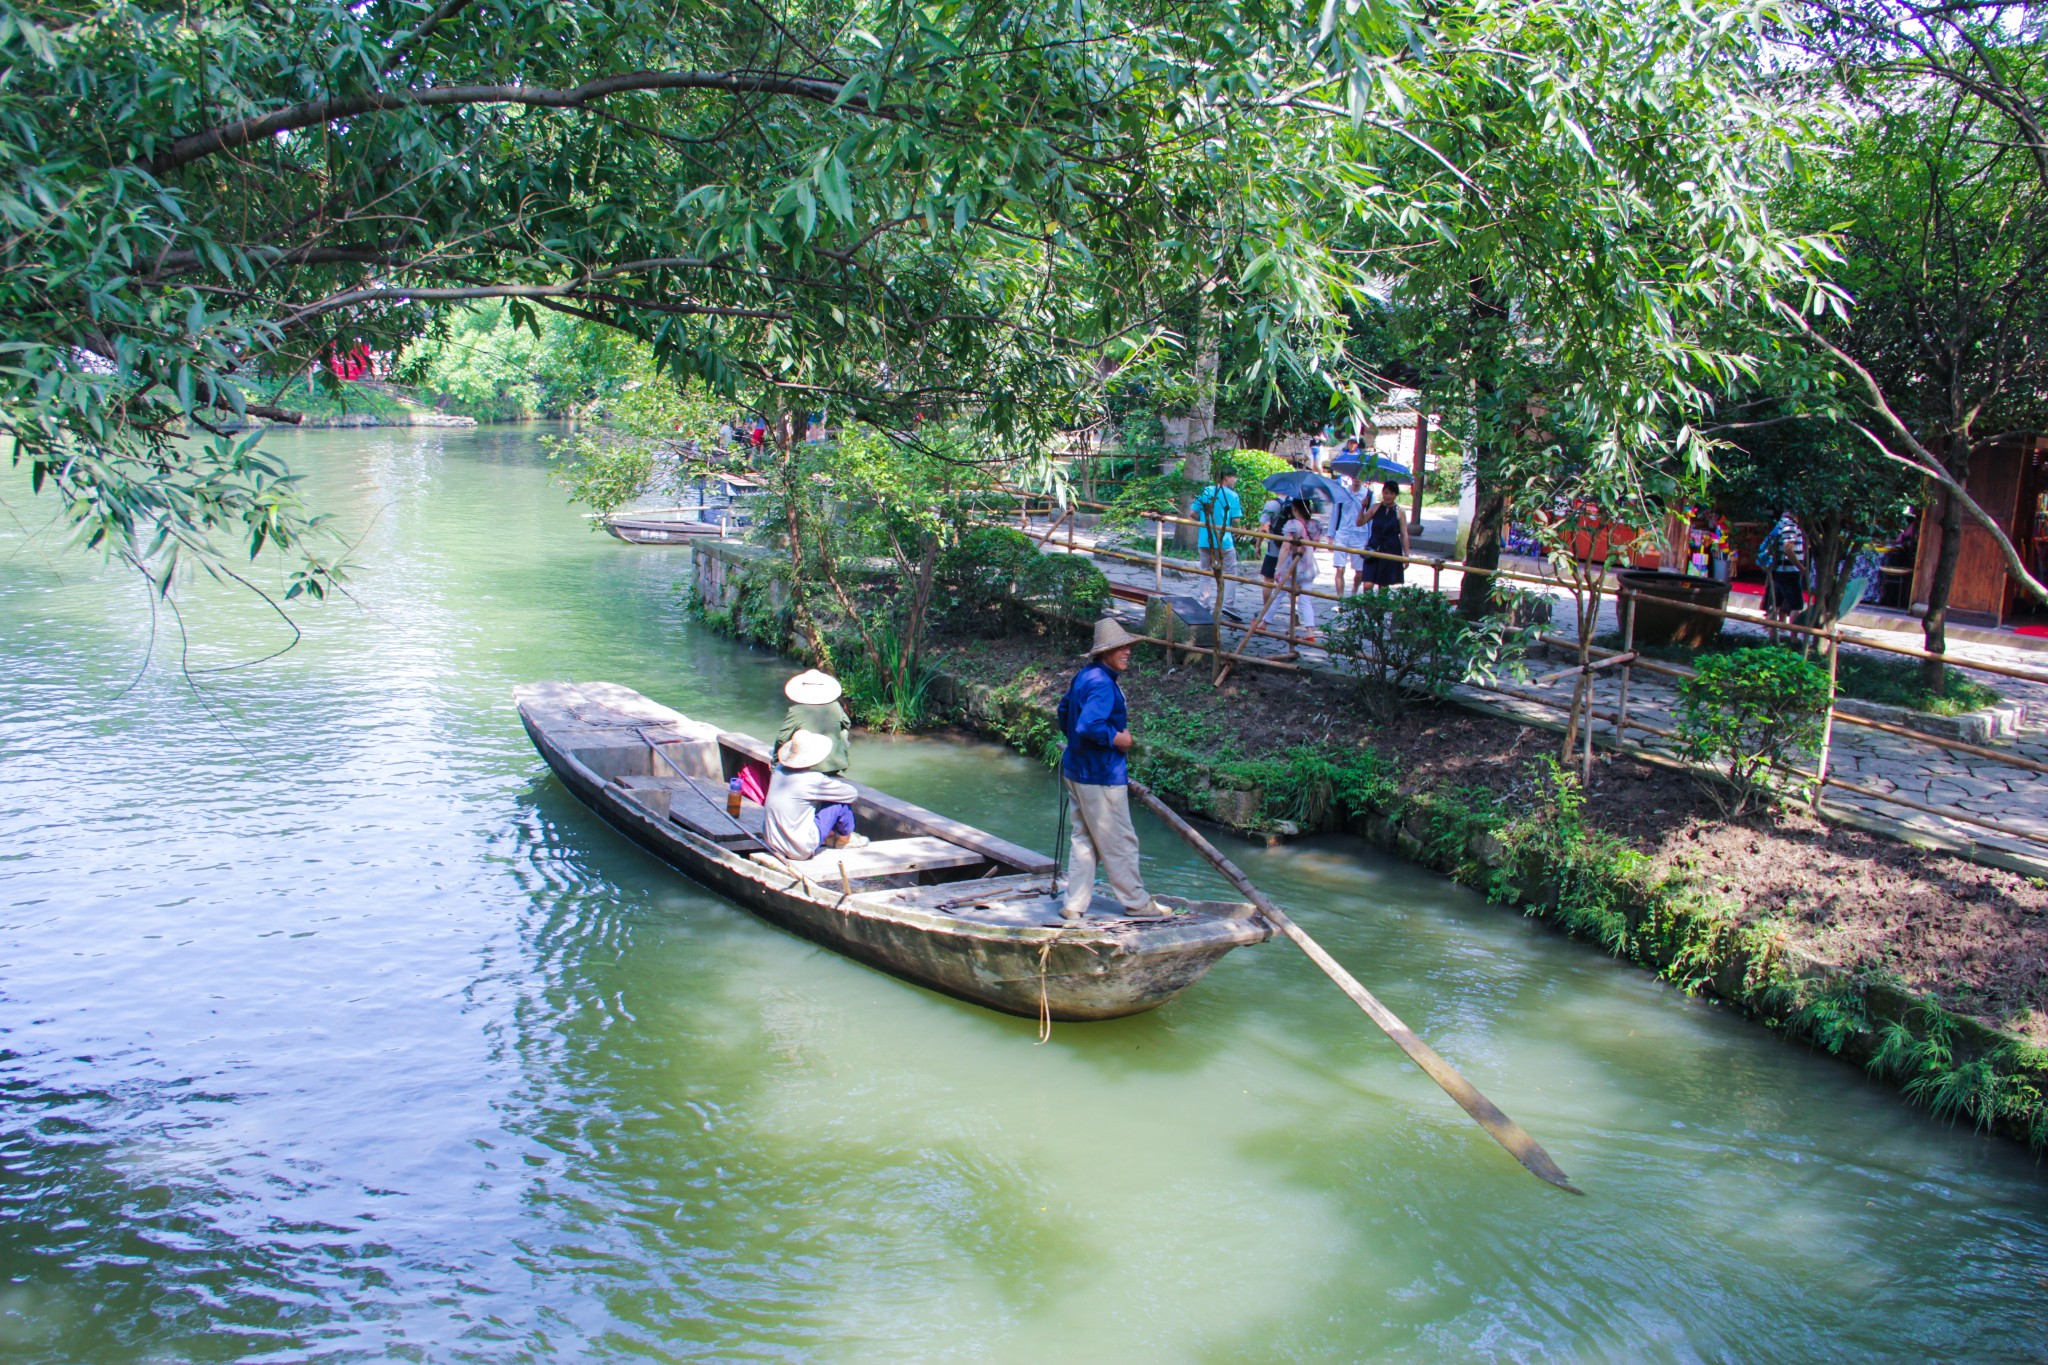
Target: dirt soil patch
[(1976, 937)]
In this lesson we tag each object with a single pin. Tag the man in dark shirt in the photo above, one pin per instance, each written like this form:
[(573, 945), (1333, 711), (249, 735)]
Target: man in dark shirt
[(1096, 723)]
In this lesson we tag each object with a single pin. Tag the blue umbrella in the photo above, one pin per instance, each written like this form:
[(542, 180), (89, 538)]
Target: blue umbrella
[(1297, 483), (1382, 468)]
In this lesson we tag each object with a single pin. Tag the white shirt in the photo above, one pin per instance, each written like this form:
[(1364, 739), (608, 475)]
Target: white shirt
[(794, 795)]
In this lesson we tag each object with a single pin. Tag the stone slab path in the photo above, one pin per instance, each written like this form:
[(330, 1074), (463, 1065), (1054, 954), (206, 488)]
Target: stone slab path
[(1959, 784)]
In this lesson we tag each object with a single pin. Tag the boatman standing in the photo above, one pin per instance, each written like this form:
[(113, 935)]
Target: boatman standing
[(1096, 724)]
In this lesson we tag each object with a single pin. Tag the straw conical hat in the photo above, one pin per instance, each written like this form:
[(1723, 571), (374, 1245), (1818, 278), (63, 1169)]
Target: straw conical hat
[(806, 749), (1110, 634), (812, 688)]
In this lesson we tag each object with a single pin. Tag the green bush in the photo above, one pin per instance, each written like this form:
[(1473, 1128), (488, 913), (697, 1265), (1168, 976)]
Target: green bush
[(1253, 468), (1408, 642), (1069, 587), (1743, 713), (975, 587), (992, 580)]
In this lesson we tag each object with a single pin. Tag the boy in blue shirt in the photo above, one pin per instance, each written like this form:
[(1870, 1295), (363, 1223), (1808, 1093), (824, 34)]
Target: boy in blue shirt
[(1216, 507)]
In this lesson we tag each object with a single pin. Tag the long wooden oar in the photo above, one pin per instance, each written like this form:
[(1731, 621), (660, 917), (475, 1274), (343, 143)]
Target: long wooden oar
[(1503, 1129)]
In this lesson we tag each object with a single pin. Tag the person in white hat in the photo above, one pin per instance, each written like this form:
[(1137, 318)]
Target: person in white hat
[(814, 706), (806, 809), (1096, 723)]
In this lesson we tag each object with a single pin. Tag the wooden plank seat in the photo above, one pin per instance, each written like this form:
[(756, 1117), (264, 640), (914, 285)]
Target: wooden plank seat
[(698, 805), (883, 858)]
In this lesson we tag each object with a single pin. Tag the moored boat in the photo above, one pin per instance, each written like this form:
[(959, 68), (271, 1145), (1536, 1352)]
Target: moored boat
[(931, 900), (645, 530)]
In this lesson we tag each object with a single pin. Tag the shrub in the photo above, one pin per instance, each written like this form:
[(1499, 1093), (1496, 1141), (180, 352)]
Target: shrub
[(1743, 713), (1407, 642), (1253, 468), (975, 585), (992, 579), (1069, 588)]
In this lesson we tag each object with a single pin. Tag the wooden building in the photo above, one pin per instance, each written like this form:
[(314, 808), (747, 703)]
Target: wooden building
[(2009, 480)]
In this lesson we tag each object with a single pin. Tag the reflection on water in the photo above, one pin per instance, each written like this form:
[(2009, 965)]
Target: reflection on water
[(334, 1028)]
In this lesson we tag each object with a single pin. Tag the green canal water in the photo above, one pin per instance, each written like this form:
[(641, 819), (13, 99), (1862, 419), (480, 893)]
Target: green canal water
[(332, 1028)]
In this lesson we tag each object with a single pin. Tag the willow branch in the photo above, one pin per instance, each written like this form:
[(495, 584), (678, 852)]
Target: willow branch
[(227, 137), (1921, 460)]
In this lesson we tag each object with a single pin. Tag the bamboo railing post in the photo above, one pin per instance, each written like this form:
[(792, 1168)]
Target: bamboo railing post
[(1628, 645), (1827, 725), (1073, 517), (1586, 740), (1158, 555), (1216, 626), (1293, 607)]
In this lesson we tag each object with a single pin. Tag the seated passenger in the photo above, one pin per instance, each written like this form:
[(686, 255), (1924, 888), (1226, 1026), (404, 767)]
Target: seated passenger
[(806, 809), (814, 706)]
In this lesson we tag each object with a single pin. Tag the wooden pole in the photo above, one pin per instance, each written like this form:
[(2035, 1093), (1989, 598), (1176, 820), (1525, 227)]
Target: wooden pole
[(1421, 457), (1827, 726), (1628, 646), (1216, 668), (1498, 1125), (1293, 608), (1158, 555)]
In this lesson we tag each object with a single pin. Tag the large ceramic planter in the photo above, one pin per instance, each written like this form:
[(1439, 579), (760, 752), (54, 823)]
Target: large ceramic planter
[(1661, 602)]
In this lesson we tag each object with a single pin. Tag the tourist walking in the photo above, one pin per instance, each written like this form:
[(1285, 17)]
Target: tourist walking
[(1783, 556), (807, 809), (1217, 507), (1097, 726), (1350, 533), (1387, 534), (1297, 569)]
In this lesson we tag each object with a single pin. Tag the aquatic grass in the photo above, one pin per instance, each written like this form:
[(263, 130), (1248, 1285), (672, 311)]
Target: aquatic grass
[(893, 694)]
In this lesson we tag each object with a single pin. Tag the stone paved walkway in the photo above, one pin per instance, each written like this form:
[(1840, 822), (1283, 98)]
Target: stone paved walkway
[(1964, 784)]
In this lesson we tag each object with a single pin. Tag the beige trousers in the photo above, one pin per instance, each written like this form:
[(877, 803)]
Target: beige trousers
[(1102, 834)]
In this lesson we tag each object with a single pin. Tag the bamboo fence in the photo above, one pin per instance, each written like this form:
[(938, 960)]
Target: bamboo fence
[(1580, 711)]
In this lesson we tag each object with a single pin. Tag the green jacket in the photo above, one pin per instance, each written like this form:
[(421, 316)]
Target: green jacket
[(829, 720)]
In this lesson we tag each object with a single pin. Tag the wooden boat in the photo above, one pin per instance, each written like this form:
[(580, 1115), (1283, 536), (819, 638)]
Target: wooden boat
[(931, 900), (655, 530)]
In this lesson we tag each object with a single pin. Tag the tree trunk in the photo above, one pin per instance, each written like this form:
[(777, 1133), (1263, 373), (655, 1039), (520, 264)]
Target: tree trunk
[(1826, 560), (1933, 672), (803, 568), (1201, 430), (1483, 545), (1486, 316)]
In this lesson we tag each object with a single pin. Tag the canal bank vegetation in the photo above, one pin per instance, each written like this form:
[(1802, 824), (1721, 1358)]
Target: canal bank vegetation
[(1926, 968)]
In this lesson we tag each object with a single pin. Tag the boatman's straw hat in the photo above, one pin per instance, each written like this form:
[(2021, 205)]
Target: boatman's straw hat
[(806, 749), (812, 688), (1110, 634)]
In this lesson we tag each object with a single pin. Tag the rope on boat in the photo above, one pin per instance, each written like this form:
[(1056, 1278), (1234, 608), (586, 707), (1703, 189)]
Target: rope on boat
[(1044, 956)]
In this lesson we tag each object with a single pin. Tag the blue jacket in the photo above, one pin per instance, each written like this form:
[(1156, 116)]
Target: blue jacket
[(1091, 714)]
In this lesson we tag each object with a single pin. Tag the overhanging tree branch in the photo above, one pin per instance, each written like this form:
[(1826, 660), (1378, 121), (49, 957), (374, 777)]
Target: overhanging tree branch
[(1922, 459), (227, 137)]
